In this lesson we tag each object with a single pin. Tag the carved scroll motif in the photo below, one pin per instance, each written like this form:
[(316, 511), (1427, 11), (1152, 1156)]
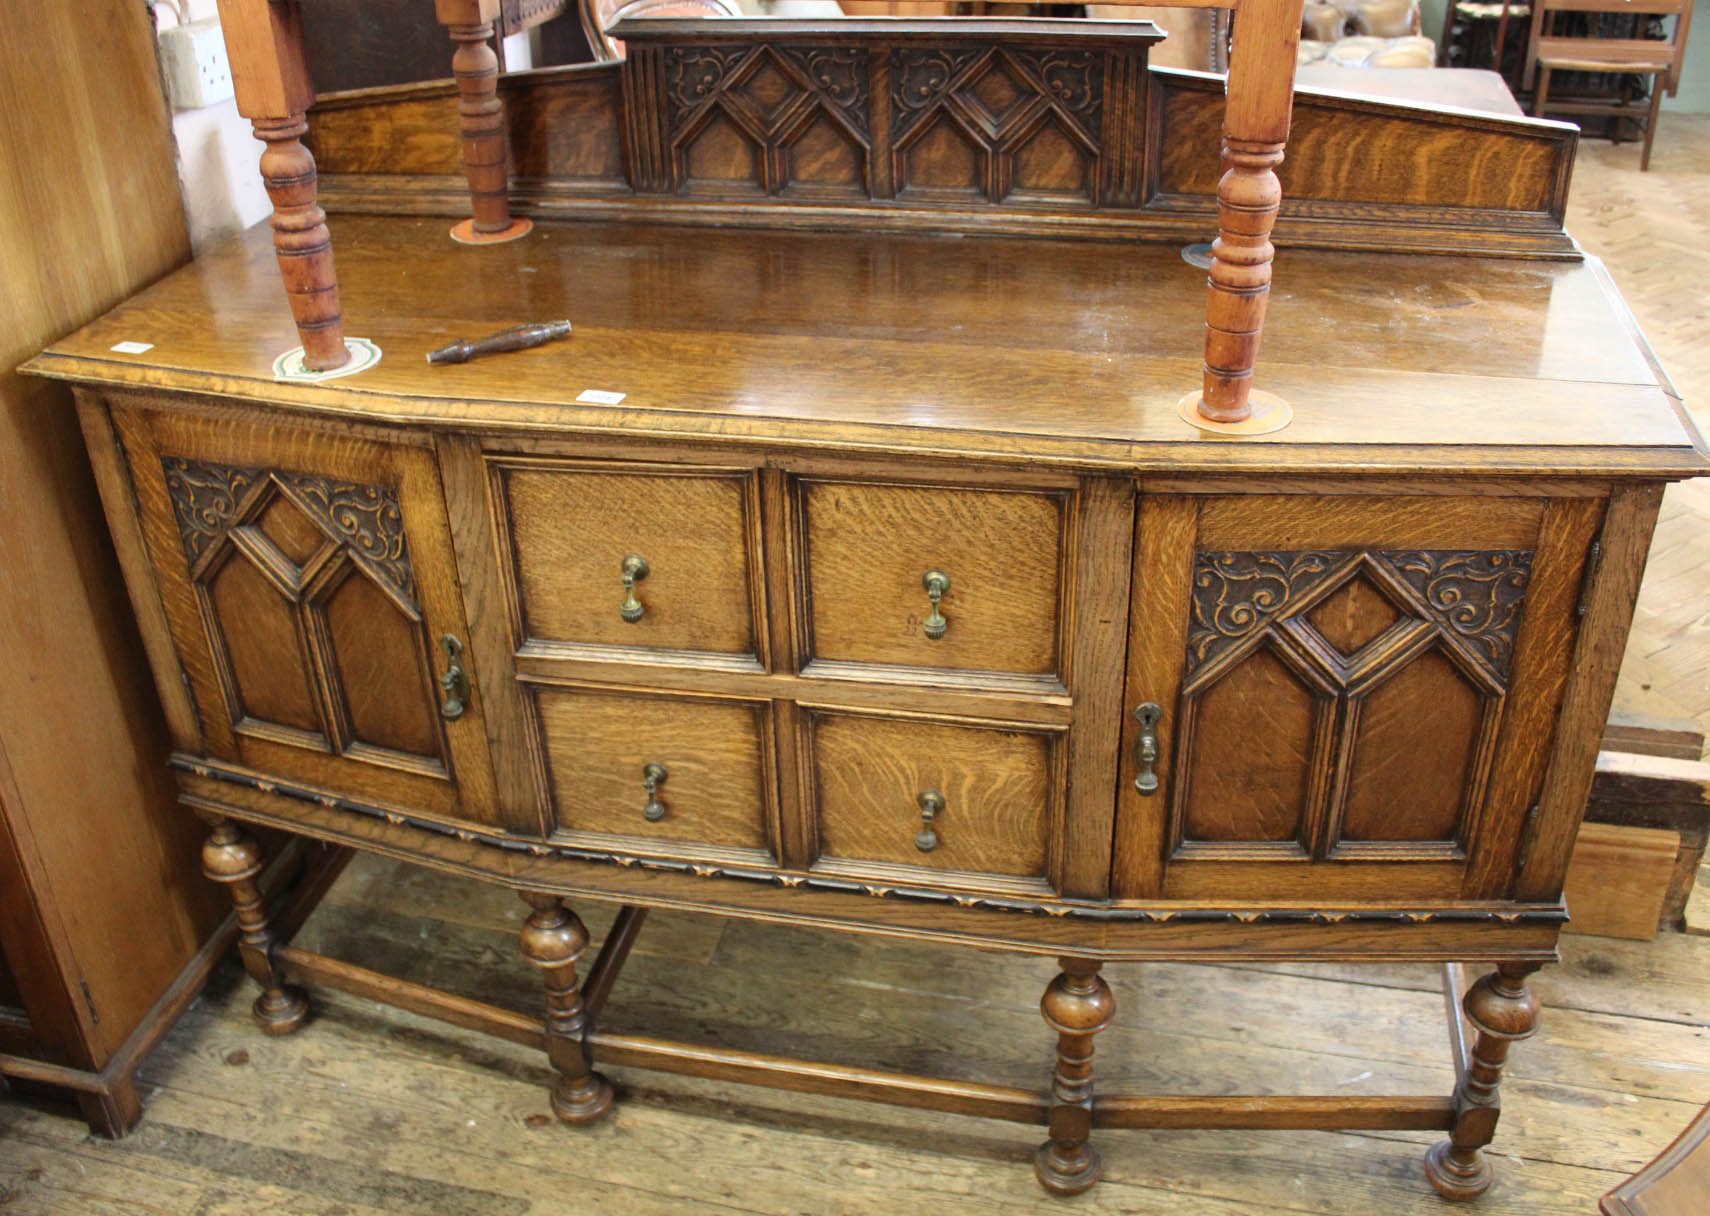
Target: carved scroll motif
[(1072, 79), (920, 79), (205, 497), (695, 73), (1475, 594), (209, 499), (1236, 594), (837, 76)]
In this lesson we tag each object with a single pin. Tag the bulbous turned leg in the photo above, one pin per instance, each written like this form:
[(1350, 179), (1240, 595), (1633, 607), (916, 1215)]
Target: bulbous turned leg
[(553, 938), (1503, 1010), (232, 856), (301, 241), (1077, 1005), (481, 120)]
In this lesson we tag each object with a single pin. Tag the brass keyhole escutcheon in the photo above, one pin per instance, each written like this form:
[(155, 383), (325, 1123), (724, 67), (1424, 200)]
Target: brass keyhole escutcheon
[(937, 584), (1146, 747), (454, 681), (653, 776), (633, 569), (931, 807)]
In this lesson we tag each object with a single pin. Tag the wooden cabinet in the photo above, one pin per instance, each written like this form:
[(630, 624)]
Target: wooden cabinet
[(1332, 694), (1347, 690), (312, 597)]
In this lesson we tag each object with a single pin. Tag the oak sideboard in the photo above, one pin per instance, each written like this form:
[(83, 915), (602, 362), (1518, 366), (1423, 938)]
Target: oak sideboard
[(860, 571)]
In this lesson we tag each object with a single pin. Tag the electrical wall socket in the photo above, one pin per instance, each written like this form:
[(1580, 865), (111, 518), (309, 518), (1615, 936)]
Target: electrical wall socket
[(193, 58)]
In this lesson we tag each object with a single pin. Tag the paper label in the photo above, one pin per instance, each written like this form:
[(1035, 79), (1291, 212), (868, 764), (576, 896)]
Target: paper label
[(131, 348), (599, 396)]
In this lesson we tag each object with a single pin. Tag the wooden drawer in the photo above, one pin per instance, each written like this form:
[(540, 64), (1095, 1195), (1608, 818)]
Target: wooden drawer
[(998, 815), (570, 526), (870, 548), (713, 799)]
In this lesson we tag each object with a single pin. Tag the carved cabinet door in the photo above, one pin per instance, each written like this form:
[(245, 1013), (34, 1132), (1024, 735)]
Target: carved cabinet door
[(1342, 697), (311, 591)]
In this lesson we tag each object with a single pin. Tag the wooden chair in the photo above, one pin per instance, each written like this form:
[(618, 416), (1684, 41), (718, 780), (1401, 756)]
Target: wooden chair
[(598, 16), (1660, 59)]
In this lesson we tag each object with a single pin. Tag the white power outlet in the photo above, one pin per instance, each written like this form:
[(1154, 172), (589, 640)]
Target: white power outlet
[(193, 58)]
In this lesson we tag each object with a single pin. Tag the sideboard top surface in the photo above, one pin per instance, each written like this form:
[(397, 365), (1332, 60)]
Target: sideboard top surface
[(1055, 351)]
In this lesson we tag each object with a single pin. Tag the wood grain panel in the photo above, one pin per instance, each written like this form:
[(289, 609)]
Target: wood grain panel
[(869, 547), (388, 690), (1415, 754), (1283, 521), (251, 623), (1247, 774), (716, 792), (570, 527), (1340, 151), (869, 773)]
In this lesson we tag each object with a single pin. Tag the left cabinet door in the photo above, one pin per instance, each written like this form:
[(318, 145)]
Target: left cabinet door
[(310, 588)]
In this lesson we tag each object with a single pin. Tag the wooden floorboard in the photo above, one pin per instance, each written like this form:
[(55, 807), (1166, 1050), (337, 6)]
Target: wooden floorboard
[(368, 1110), (1648, 228)]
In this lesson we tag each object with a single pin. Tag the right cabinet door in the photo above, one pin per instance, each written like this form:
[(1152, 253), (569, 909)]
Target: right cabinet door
[(1342, 698)]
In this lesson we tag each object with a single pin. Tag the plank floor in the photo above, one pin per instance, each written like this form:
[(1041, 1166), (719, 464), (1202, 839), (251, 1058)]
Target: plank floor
[(1648, 228), (370, 1110)]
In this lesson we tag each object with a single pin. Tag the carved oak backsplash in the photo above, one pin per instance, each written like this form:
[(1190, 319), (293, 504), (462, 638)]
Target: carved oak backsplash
[(1342, 703), (306, 591), (1002, 118)]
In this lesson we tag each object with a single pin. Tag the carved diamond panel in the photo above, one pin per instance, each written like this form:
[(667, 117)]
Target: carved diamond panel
[(308, 598), (1410, 651)]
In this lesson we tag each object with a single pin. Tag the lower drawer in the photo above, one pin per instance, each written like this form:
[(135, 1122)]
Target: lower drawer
[(920, 801), (667, 776)]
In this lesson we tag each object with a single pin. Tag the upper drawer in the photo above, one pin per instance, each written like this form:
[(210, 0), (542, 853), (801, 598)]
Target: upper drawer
[(636, 556), (872, 551)]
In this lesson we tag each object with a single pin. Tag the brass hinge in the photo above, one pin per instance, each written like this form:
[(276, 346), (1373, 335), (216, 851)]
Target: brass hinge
[(1528, 833), (1593, 560), (89, 1000)]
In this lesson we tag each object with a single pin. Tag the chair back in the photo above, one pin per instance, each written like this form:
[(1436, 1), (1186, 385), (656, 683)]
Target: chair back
[(1592, 50)]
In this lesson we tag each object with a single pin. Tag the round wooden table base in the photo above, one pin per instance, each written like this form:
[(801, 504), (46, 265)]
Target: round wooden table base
[(463, 232)]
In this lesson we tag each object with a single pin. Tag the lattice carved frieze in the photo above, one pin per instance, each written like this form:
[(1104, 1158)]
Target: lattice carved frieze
[(210, 499), (1474, 595)]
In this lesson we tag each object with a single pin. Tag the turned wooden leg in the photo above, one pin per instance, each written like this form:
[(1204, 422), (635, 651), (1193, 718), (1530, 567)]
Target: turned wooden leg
[(232, 856), (553, 938), (1077, 1005), (1503, 1010), (481, 119), (302, 242), (1260, 98)]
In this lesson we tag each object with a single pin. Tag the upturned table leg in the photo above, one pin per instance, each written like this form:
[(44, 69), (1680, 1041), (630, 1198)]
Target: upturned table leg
[(553, 938), (232, 857), (1503, 1010), (481, 122), (1077, 1005)]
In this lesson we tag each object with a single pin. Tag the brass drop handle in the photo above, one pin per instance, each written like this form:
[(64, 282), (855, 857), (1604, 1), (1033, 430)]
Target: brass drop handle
[(653, 776), (931, 807), (633, 569), (454, 681), (1146, 747), (937, 584)]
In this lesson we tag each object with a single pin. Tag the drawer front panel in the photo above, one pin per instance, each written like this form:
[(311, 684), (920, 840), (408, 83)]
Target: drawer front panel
[(871, 548), (572, 527), (714, 788), (873, 781)]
